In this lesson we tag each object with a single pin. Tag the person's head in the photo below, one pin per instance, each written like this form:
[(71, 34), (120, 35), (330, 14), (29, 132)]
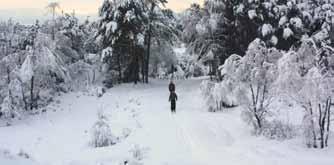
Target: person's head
[(171, 81)]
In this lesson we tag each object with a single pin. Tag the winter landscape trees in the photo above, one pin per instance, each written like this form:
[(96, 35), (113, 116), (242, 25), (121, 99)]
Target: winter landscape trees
[(129, 29), (270, 60), (62, 54), (283, 52)]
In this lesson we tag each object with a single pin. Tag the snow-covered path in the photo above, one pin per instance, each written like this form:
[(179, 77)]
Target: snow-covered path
[(191, 137)]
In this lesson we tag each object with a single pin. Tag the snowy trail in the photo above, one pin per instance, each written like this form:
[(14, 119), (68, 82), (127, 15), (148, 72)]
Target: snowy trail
[(191, 137)]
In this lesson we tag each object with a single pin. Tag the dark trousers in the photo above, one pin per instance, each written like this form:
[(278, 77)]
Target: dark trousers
[(173, 106)]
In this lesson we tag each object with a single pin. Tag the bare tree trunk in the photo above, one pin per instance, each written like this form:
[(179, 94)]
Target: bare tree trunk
[(321, 124), (148, 51), (36, 99), (328, 109), (24, 99), (254, 108), (120, 77), (94, 76), (135, 64), (211, 70), (143, 68), (313, 129), (149, 42), (54, 24), (32, 99), (8, 75)]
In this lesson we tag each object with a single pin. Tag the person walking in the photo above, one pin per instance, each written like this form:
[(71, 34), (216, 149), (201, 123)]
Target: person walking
[(171, 86), (172, 100), (172, 96)]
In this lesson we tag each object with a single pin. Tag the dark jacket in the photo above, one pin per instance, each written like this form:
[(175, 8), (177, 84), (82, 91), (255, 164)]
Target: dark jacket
[(173, 97), (171, 87)]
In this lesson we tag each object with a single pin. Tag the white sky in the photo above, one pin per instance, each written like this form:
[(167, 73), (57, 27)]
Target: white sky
[(81, 6)]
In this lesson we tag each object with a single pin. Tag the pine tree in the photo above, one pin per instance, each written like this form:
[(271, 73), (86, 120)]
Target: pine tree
[(129, 28)]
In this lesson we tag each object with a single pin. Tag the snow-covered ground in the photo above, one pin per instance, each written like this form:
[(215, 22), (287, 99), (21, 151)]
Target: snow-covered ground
[(140, 116)]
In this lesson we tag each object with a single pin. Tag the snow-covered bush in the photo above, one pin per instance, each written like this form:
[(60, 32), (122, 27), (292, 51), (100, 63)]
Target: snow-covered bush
[(256, 76), (189, 63), (24, 154), (82, 75), (230, 86), (138, 152), (14, 103), (206, 91), (7, 108), (101, 132), (316, 99), (306, 76), (278, 130), (216, 96), (43, 72), (35, 67)]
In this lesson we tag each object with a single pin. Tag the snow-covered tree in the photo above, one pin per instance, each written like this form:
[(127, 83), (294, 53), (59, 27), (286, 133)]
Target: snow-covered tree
[(42, 69), (131, 28), (189, 19), (257, 75), (101, 132), (121, 27), (11, 107), (70, 38), (156, 26), (52, 8), (306, 77)]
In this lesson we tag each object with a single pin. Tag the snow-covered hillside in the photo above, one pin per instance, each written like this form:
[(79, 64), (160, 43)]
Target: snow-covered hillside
[(148, 133)]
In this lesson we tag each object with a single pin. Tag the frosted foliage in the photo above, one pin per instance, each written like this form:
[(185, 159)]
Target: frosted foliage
[(307, 54), (283, 20), (316, 88), (206, 87), (315, 96), (42, 59), (309, 84), (296, 22), (48, 60), (27, 68), (274, 40), (266, 29), (201, 28), (246, 78), (207, 92), (229, 87), (229, 93), (289, 78), (279, 130), (11, 105), (106, 53), (256, 63), (230, 65), (101, 132), (287, 33), (180, 74), (274, 55), (240, 8), (213, 21), (252, 14), (83, 75), (7, 108), (111, 27), (321, 35)]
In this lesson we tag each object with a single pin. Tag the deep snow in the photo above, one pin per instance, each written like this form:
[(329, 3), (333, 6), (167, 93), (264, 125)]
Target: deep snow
[(140, 116)]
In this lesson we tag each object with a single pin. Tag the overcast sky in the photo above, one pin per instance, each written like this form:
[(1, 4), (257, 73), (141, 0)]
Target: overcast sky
[(28, 10)]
